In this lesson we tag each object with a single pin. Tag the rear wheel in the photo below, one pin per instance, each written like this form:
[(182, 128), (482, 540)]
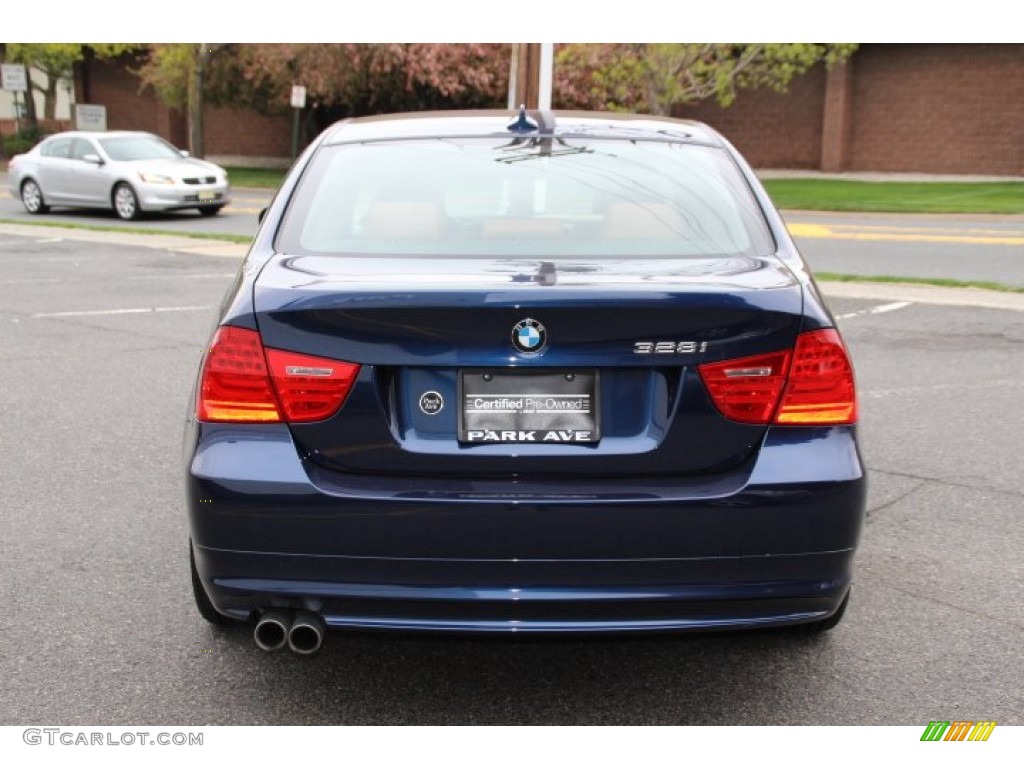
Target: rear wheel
[(210, 210), (126, 203), (32, 197), (206, 609)]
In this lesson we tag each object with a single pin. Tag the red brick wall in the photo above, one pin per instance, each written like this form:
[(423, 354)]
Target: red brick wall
[(236, 132), (772, 130), (130, 107), (938, 108), (927, 108)]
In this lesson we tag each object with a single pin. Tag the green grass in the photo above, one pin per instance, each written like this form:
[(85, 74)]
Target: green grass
[(897, 196), (944, 282), (266, 178), (824, 194), (222, 236)]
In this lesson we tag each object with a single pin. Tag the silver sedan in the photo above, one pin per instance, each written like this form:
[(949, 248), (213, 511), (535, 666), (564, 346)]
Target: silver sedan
[(128, 171)]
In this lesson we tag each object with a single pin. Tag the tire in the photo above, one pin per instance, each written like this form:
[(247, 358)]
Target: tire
[(820, 627), (125, 202), (32, 197), (210, 210), (206, 609)]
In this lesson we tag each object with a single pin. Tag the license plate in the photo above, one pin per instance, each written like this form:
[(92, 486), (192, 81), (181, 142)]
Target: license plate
[(501, 406), (208, 197)]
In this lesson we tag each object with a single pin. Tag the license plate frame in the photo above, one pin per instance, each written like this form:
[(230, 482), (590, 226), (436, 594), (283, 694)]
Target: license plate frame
[(532, 407)]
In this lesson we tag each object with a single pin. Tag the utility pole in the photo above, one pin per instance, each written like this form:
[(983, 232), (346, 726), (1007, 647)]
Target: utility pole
[(530, 75)]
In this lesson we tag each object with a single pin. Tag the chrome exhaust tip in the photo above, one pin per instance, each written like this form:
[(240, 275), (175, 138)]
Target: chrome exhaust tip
[(306, 635), (271, 633)]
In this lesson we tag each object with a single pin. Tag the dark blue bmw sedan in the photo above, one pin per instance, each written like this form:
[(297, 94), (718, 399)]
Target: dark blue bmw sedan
[(566, 373)]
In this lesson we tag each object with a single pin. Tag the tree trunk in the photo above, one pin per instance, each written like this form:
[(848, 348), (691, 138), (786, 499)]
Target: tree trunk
[(196, 139), (50, 98), (31, 120)]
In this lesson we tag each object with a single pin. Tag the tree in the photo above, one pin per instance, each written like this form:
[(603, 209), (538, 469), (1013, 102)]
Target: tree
[(56, 61), (654, 77), (341, 79), (179, 73)]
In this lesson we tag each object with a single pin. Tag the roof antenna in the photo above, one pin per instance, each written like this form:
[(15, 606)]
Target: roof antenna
[(523, 124)]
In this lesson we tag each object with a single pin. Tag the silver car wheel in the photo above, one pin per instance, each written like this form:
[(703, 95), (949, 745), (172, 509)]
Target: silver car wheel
[(32, 197), (126, 205)]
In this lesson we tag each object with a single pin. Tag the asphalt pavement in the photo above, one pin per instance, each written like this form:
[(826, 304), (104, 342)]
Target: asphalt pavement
[(98, 350)]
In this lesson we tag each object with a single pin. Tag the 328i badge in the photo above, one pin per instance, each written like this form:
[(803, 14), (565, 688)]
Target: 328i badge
[(569, 375)]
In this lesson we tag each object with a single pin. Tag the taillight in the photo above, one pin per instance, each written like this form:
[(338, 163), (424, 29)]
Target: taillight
[(235, 385), (820, 389), (310, 388), (238, 385), (812, 385), (747, 389)]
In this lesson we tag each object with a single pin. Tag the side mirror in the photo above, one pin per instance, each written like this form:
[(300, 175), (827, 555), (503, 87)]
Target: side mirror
[(260, 215), (185, 153), (93, 158)]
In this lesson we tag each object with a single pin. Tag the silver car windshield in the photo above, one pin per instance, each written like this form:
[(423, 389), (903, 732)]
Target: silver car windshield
[(594, 198), (138, 148)]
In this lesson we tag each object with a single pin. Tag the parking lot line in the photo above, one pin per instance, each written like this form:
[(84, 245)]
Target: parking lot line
[(876, 310)]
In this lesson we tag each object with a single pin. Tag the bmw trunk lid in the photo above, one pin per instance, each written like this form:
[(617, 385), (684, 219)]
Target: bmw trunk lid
[(628, 334)]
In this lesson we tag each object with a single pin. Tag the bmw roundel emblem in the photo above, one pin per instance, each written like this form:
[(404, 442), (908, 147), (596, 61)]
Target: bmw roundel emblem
[(529, 336)]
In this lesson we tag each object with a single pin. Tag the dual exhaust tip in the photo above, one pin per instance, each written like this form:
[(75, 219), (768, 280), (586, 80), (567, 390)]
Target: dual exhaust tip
[(302, 631)]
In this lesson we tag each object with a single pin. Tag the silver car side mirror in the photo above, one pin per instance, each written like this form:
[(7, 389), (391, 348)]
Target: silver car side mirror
[(185, 153), (92, 157)]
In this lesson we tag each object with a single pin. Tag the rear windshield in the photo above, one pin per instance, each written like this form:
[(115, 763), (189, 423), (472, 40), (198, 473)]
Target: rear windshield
[(532, 197)]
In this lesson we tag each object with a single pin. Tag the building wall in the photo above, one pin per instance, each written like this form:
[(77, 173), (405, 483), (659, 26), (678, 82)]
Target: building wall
[(940, 108), (924, 108), (772, 130), (239, 132), (62, 107)]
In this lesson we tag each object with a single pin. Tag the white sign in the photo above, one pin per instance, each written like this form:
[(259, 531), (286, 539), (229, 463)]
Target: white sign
[(14, 77), (299, 96), (90, 117)]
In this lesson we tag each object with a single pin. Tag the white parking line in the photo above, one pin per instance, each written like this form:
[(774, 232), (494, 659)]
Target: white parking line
[(878, 310), (133, 311)]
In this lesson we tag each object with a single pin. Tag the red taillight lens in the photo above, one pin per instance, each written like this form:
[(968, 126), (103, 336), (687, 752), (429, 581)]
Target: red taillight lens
[(237, 385), (747, 389), (310, 388), (820, 389)]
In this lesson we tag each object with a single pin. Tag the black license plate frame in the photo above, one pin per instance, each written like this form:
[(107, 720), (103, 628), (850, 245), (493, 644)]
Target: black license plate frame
[(549, 406)]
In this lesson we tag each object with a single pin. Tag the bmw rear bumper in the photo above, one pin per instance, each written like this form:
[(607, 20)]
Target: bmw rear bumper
[(770, 543)]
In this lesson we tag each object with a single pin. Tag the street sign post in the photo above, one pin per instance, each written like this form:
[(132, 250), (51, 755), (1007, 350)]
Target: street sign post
[(298, 103), (14, 77)]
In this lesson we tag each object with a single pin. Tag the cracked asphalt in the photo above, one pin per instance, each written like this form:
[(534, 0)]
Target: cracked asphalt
[(99, 624)]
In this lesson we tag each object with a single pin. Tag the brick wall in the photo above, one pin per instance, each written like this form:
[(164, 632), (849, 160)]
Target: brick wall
[(237, 132), (925, 108), (938, 108), (772, 130), (132, 107)]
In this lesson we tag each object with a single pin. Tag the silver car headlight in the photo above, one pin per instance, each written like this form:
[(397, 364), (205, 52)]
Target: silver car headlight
[(155, 178)]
